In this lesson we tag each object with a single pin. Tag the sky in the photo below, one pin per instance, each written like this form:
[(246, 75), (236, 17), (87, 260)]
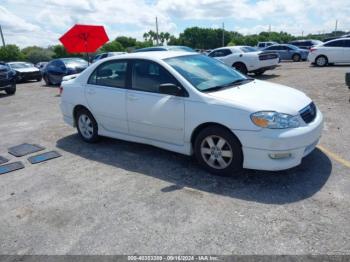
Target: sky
[(42, 22)]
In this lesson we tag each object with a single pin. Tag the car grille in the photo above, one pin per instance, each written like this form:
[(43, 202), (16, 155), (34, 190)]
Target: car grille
[(267, 56), (308, 114), (3, 75)]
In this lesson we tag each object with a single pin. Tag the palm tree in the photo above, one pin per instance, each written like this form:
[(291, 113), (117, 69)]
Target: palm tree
[(146, 36)]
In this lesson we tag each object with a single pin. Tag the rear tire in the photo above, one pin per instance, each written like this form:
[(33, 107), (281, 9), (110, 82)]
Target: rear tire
[(218, 151), (296, 58), (39, 79), (321, 61), (86, 126), (241, 68), (11, 90)]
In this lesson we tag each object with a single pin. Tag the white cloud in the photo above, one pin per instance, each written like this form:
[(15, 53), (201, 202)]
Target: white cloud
[(42, 22)]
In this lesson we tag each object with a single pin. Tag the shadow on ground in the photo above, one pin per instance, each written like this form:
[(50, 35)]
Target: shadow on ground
[(265, 187), (266, 77), (4, 94)]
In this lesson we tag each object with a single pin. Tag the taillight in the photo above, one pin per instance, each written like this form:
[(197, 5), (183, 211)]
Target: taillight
[(61, 90), (313, 49)]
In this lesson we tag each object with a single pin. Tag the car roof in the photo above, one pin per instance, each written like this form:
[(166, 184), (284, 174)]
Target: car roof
[(229, 47), (337, 39), (151, 55)]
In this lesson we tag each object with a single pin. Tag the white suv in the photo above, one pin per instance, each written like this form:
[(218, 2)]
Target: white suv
[(192, 104), (332, 52)]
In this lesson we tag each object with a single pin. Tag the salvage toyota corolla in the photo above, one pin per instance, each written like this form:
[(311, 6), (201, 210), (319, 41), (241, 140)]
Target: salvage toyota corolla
[(193, 104)]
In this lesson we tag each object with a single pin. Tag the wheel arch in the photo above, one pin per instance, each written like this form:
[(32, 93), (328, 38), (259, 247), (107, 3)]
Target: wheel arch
[(205, 125), (76, 110)]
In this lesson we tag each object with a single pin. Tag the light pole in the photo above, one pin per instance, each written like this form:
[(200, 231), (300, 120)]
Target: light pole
[(2, 37)]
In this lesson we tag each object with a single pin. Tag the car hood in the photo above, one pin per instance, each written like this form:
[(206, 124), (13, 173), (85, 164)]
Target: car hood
[(264, 96), (27, 69)]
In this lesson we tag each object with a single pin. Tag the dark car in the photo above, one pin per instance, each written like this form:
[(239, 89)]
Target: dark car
[(41, 65), (305, 44), (166, 48), (56, 69), (7, 79), (288, 52), (25, 71)]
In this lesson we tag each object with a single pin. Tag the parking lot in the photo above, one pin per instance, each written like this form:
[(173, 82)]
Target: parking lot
[(116, 197)]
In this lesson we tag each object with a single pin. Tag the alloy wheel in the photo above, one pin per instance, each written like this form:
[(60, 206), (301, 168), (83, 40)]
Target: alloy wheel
[(216, 152), (85, 126)]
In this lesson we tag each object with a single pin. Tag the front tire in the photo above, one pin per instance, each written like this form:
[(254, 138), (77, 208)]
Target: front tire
[(321, 61), (218, 151), (87, 126), (11, 90), (47, 80)]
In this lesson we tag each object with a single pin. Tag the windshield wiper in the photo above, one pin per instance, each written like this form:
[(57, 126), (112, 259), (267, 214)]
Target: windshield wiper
[(233, 83)]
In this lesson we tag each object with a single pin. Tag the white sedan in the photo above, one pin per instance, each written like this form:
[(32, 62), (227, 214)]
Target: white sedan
[(192, 104), (336, 51), (246, 59)]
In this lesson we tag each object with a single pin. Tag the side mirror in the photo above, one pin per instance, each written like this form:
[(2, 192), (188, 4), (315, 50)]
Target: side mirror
[(170, 89)]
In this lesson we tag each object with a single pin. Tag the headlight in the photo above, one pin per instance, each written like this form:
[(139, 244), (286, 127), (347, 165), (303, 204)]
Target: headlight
[(274, 120)]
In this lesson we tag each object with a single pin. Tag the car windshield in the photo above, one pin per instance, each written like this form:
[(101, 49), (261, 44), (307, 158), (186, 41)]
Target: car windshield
[(21, 65), (74, 62), (205, 73), (248, 49), (293, 47)]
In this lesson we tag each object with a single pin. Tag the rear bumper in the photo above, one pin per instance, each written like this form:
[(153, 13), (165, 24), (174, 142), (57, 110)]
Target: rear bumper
[(259, 147)]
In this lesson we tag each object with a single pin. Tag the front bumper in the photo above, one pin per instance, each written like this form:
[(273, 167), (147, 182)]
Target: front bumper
[(5, 83), (28, 76), (259, 146)]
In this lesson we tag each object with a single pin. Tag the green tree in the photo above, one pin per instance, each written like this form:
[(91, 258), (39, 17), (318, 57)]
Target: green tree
[(126, 41), (10, 53), (35, 54), (60, 52), (113, 46)]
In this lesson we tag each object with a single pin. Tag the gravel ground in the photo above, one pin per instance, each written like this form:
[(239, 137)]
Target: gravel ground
[(116, 197)]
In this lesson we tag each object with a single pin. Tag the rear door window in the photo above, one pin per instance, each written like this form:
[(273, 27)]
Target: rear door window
[(148, 76), (220, 53), (338, 43), (111, 73)]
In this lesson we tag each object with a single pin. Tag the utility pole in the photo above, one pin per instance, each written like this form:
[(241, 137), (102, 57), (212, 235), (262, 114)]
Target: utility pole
[(336, 27), (157, 37), (2, 37), (302, 33), (223, 34)]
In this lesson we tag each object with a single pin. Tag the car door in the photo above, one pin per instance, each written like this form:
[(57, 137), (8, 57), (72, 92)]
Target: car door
[(151, 114), (346, 50), (106, 95), (335, 51)]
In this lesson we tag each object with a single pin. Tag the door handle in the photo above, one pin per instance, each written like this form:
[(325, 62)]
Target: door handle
[(91, 91), (133, 97)]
